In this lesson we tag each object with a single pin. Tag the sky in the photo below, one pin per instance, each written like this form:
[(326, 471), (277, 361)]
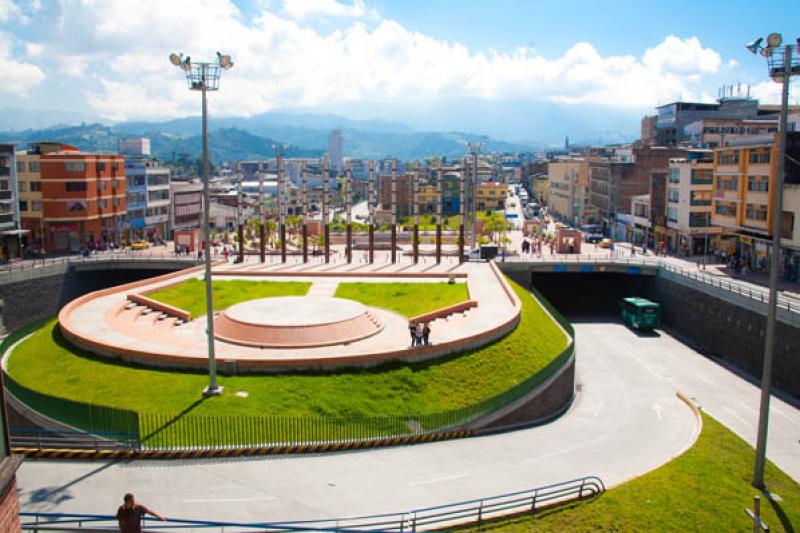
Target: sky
[(427, 62)]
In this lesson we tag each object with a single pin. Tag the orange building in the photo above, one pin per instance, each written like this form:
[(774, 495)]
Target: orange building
[(83, 199)]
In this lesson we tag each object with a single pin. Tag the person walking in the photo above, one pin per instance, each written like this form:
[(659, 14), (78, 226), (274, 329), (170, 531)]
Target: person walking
[(130, 514), (412, 328), (418, 333), (426, 332)]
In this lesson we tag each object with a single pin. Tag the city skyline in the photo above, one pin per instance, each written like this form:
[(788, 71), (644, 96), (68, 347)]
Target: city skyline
[(440, 67)]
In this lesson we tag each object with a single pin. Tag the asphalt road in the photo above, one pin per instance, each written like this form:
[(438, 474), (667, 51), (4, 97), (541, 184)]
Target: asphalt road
[(626, 420)]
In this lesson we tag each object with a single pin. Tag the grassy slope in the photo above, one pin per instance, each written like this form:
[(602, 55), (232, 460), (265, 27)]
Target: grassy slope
[(705, 489), (407, 299), (191, 294), (44, 363)]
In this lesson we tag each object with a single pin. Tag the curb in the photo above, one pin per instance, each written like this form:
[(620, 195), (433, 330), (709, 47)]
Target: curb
[(288, 449)]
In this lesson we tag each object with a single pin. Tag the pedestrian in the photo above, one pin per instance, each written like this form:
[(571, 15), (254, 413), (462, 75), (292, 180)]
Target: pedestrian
[(418, 333), (426, 332), (412, 329), (130, 514)]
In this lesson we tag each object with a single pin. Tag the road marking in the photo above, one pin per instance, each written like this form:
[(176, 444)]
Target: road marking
[(598, 408), (730, 411), (230, 500), (437, 480), (657, 408)]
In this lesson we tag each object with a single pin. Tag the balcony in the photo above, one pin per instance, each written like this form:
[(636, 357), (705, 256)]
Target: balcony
[(699, 203)]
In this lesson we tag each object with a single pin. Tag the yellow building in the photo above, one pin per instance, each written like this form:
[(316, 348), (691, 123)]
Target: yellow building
[(568, 188), (29, 179), (491, 195), (744, 192)]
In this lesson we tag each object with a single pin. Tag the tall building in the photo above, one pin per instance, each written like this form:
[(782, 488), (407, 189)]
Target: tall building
[(83, 199), (690, 192), (138, 146), (569, 189), (745, 177), (673, 118), (336, 150), (652, 166), (611, 185), (187, 204), (9, 207)]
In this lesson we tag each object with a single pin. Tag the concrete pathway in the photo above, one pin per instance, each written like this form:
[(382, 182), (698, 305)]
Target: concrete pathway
[(625, 421)]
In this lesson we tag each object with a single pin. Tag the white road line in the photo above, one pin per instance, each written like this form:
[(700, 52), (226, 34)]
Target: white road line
[(657, 408), (234, 500), (437, 480)]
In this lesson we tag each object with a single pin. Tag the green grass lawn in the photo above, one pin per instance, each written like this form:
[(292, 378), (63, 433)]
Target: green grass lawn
[(705, 489), (46, 363), (191, 294), (407, 299)]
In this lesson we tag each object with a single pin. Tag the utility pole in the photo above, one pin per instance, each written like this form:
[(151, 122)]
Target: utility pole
[(279, 148), (325, 195), (304, 179), (462, 209), (394, 210), (415, 203), (438, 176), (262, 230), (371, 208), (240, 229), (474, 149), (349, 206)]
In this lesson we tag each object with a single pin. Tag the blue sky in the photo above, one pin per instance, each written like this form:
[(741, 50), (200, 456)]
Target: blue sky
[(431, 63)]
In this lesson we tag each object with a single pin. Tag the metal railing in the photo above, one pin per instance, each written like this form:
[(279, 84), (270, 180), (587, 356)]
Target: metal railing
[(441, 516)]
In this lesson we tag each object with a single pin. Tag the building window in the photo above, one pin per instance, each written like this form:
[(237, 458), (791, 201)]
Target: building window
[(23, 205), (728, 158), (759, 156), (75, 166), (700, 198), (21, 166), (702, 177), (36, 186), (102, 203), (101, 185), (36, 205), (23, 186), (673, 196), (756, 212), (672, 214), (727, 183), (727, 209), (758, 183), (699, 220), (674, 175), (75, 186), (787, 224), (101, 167), (33, 166)]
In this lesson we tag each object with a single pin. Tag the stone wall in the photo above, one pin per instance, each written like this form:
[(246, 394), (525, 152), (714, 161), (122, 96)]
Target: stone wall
[(32, 299)]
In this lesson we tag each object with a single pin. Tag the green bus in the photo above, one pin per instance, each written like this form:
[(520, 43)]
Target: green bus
[(641, 314)]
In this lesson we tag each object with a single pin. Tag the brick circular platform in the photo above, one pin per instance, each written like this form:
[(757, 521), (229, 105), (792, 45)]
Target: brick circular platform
[(295, 322)]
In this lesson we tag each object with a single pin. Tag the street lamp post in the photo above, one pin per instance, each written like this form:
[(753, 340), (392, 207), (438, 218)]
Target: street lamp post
[(782, 66), (474, 148), (204, 77)]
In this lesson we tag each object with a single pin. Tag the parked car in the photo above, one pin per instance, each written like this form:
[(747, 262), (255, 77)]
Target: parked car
[(594, 238), (140, 245), (606, 243)]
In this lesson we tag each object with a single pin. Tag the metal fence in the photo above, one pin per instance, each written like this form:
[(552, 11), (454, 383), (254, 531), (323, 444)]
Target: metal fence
[(166, 431), (438, 517)]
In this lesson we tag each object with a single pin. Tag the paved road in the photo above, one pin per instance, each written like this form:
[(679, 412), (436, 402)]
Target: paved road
[(626, 420)]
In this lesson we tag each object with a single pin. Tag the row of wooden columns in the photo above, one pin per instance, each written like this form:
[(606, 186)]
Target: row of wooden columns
[(372, 197)]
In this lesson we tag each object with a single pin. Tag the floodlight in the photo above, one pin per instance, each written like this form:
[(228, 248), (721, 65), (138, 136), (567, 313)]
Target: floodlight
[(755, 45), (774, 40), (175, 59), (187, 64), (225, 61)]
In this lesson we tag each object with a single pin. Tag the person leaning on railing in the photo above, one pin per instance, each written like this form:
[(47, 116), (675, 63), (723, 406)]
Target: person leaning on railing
[(130, 514)]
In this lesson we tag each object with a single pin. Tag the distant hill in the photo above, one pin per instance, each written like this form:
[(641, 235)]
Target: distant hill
[(233, 139)]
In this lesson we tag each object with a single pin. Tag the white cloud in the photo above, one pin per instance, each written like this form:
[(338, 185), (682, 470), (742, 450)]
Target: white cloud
[(283, 62), (769, 92), (685, 57), (10, 12), (300, 9), (18, 77)]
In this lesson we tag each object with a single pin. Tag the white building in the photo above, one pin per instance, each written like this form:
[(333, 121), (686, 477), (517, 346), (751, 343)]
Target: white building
[(134, 146), (336, 150)]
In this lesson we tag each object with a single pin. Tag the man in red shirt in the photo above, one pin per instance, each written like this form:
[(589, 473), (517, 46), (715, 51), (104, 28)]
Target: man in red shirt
[(129, 515)]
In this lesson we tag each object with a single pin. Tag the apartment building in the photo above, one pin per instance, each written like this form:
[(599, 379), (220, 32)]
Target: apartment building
[(690, 192), (745, 177), (491, 196), (29, 181), (716, 132), (83, 199), (10, 232), (187, 205), (611, 185), (672, 118), (569, 189)]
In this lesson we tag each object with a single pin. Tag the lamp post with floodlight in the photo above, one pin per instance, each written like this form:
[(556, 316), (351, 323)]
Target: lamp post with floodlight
[(783, 62), (204, 77)]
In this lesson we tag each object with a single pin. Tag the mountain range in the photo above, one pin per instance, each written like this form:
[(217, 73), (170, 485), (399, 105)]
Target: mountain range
[(243, 138)]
